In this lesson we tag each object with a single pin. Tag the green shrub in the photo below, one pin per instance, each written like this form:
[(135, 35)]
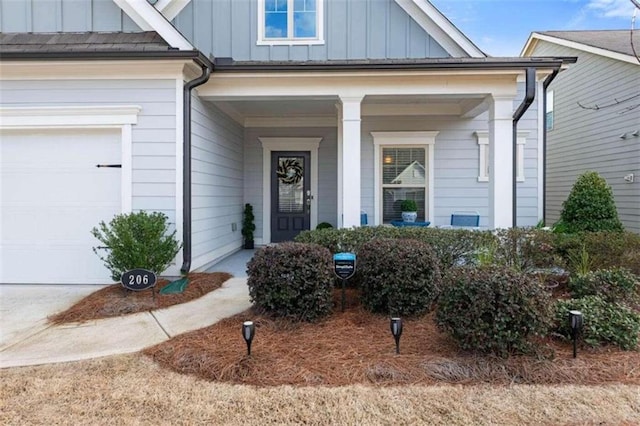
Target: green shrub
[(604, 322), (324, 225), (408, 206), (492, 310), (399, 277), (616, 285), (590, 206), (524, 249), (136, 240), (292, 280)]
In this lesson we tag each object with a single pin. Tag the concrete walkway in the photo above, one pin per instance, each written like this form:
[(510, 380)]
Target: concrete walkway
[(26, 338)]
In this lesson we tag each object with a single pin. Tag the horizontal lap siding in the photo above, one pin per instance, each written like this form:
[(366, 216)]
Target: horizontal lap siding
[(217, 183), (47, 16), (154, 137), (584, 139), (372, 29)]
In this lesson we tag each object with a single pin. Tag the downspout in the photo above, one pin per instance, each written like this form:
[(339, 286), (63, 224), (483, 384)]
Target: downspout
[(186, 165), (545, 86), (530, 95)]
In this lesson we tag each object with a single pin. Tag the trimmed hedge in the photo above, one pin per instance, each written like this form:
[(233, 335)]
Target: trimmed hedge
[(292, 280), (399, 277), (492, 309), (604, 322), (615, 285)]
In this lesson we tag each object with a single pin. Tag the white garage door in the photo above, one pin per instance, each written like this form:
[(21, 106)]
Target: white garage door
[(52, 196)]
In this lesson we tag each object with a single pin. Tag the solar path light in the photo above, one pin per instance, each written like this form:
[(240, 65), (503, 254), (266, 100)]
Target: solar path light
[(396, 330), (575, 322), (248, 331)]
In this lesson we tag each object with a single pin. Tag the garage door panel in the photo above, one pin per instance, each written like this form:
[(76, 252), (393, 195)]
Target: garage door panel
[(52, 196)]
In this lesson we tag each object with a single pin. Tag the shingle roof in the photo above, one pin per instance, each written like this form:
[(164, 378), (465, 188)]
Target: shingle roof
[(149, 41), (613, 40)]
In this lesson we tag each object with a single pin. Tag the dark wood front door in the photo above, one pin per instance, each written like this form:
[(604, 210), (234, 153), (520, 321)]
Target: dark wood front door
[(290, 194)]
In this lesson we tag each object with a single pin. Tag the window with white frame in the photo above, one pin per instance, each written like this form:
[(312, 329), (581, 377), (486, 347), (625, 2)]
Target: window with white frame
[(483, 157), (549, 117), (403, 170), (290, 22)]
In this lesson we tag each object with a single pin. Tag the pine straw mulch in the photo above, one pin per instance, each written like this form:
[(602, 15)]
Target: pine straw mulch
[(356, 347), (114, 300)]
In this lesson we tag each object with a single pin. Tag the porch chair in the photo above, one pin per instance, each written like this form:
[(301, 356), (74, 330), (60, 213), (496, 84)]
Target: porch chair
[(465, 218)]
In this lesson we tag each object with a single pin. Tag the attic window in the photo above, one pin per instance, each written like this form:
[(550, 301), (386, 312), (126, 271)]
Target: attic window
[(290, 22)]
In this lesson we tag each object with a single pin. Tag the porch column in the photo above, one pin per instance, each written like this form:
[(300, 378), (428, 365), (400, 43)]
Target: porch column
[(500, 162), (349, 156)]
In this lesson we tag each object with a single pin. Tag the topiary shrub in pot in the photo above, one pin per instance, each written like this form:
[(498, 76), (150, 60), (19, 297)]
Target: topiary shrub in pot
[(292, 280), (248, 226), (136, 240), (492, 309), (589, 207), (398, 276), (409, 210)]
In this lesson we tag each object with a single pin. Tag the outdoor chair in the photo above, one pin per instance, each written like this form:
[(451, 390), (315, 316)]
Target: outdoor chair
[(465, 218)]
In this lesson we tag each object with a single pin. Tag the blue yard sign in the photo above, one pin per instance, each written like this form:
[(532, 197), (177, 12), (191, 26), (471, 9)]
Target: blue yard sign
[(344, 265)]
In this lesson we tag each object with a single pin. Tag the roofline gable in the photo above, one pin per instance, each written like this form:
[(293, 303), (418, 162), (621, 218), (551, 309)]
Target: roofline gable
[(534, 38), (148, 18), (440, 28)]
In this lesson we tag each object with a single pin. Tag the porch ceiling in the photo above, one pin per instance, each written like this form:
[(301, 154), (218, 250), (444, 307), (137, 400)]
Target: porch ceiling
[(248, 111)]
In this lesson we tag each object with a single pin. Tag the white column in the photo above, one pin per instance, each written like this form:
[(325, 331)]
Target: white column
[(350, 161), (500, 162), (339, 167)]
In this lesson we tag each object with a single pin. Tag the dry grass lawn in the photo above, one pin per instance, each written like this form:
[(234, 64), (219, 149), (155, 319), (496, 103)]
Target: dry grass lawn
[(133, 390)]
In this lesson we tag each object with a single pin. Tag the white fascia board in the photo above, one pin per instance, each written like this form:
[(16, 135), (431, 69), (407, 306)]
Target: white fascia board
[(171, 8), (440, 28), (68, 116), (150, 19), (535, 37)]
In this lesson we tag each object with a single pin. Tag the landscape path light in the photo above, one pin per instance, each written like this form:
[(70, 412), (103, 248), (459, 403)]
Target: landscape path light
[(248, 331), (575, 322), (396, 330)]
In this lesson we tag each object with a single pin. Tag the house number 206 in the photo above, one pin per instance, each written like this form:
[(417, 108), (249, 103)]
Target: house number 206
[(138, 279)]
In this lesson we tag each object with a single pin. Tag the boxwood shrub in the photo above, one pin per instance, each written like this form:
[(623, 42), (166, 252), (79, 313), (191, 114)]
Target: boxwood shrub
[(616, 285), (399, 277), (292, 280), (492, 309), (603, 322)]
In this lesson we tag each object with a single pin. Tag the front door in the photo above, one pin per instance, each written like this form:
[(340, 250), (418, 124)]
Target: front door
[(290, 194)]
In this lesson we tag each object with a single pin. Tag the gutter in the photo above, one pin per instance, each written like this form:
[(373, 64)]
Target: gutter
[(207, 68), (545, 86), (530, 95)]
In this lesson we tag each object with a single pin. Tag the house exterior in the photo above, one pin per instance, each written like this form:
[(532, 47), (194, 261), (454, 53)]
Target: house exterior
[(593, 116), (308, 110)]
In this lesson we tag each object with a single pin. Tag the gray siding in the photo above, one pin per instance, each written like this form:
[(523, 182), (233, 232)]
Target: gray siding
[(327, 170), (46, 16), (217, 185), (584, 139), (154, 137), (353, 30)]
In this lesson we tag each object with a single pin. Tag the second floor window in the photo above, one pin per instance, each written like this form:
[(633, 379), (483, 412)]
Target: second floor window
[(290, 21)]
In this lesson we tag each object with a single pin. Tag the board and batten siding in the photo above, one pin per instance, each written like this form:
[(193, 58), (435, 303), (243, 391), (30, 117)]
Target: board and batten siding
[(326, 198), (217, 183), (363, 29), (585, 139), (50, 16), (154, 136)]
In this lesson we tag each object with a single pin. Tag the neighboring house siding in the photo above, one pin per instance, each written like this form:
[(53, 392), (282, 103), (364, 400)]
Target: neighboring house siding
[(47, 16), (217, 185), (154, 136), (327, 169), (353, 30), (584, 139)]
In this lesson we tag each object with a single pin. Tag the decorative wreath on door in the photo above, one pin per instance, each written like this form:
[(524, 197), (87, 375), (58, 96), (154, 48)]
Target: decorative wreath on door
[(289, 171)]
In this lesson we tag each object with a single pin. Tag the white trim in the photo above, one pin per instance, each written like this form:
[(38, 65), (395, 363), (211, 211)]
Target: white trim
[(171, 8), (482, 137), (529, 47), (310, 121), (426, 140), (540, 151), (271, 144), (83, 117), (434, 23), (291, 40), (179, 172), (521, 141), (149, 18)]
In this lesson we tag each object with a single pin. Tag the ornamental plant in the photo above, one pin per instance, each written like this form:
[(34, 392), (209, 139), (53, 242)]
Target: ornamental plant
[(590, 206), (136, 240), (616, 285), (408, 206)]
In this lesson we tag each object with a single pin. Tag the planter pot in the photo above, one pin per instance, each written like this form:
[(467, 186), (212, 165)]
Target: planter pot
[(409, 216), (248, 244)]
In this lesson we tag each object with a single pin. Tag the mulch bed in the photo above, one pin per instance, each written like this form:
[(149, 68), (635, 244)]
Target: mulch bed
[(356, 347), (114, 300)]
